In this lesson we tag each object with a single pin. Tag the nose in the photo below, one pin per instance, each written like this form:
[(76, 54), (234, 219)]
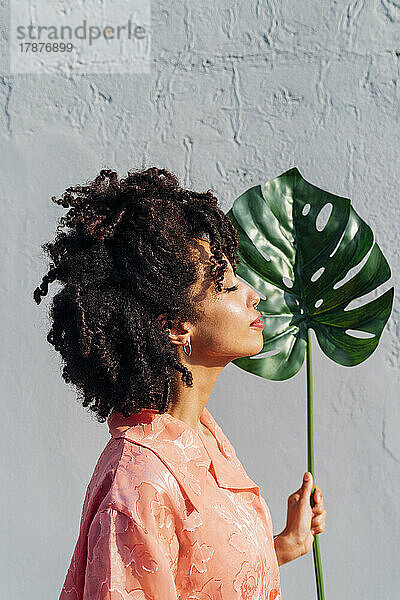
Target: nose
[(253, 298)]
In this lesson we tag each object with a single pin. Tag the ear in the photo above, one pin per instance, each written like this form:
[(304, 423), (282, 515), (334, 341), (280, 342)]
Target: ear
[(179, 333)]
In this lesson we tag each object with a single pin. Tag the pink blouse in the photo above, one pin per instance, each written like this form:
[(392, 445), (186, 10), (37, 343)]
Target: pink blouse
[(168, 517)]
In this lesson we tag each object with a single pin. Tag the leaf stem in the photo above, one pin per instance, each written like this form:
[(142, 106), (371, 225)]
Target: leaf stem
[(310, 456)]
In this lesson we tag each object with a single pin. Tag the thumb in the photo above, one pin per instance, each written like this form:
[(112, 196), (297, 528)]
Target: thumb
[(307, 482)]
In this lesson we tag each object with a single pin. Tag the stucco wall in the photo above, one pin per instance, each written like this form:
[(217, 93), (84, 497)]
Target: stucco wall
[(237, 94)]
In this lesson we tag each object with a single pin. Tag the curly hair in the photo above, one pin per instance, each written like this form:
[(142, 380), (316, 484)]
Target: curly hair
[(127, 259)]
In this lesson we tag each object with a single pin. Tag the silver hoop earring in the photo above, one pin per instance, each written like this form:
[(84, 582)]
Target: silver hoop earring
[(189, 351)]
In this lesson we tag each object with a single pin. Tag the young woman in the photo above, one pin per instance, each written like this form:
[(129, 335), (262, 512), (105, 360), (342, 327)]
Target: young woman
[(149, 315)]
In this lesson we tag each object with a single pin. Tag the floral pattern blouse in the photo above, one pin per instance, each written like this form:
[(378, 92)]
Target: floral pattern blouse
[(168, 517)]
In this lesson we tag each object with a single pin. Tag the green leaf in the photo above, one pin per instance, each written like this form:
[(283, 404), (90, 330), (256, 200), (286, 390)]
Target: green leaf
[(282, 248)]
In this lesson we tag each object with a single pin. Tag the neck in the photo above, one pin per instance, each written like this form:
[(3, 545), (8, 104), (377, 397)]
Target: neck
[(187, 403)]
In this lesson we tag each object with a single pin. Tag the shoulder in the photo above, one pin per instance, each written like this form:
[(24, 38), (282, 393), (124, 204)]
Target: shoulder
[(135, 477)]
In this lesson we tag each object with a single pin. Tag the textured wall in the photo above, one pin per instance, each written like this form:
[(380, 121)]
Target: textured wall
[(238, 93)]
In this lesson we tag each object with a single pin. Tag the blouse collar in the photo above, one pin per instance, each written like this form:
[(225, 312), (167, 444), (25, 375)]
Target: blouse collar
[(183, 451)]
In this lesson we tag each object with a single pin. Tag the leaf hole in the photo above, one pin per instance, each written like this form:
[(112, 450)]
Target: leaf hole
[(317, 274), (359, 334), (266, 354), (288, 282), (353, 271), (323, 216), (367, 298), (306, 209), (338, 244), (318, 303), (268, 258)]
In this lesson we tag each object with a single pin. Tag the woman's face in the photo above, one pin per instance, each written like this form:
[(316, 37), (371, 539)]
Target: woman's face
[(222, 332)]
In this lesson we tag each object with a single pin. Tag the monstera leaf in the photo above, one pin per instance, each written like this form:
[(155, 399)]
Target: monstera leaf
[(298, 268), (302, 269)]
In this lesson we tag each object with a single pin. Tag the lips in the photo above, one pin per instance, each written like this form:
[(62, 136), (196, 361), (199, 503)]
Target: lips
[(257, 322)]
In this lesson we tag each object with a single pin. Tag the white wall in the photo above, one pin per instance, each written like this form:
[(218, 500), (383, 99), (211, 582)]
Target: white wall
[(238, 93)]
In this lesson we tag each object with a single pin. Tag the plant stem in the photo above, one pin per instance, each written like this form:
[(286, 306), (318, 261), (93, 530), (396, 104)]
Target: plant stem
[(310, 455)]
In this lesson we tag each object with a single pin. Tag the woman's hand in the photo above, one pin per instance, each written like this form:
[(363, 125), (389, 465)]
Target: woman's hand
[(302, 522)]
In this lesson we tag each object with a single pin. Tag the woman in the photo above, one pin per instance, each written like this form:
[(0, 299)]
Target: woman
[(149, 315)]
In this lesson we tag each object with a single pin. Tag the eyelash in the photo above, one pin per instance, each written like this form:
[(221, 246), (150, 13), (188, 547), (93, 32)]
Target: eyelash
[(232, 289)]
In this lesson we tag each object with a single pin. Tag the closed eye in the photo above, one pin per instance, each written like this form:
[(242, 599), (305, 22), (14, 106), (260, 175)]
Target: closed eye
[(232, 289)]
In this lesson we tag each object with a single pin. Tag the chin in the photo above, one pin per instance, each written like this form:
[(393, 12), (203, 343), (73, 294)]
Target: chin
[(254, 348), (256, 352), (260, 346)]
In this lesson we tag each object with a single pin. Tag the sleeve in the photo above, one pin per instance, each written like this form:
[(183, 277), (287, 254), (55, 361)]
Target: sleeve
[(132, 557)]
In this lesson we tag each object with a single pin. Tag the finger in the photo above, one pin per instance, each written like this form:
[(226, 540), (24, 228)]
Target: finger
[(315, 523), (318, 498), (319, 520), (319, 528), (318, 509), (317, 492)]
